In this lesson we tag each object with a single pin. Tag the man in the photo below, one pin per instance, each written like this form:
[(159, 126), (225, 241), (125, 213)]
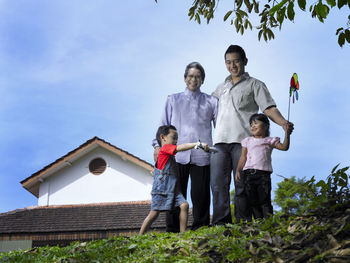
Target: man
[(192, 112), (240, 96)]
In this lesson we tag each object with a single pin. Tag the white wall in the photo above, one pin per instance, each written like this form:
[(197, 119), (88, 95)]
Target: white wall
[(121, 181)]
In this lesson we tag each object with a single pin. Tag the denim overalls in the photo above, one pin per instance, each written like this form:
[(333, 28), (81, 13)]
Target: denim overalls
[(165, 192)]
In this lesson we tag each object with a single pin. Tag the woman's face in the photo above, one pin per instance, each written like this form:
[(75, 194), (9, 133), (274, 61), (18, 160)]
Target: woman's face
[(193, 79)]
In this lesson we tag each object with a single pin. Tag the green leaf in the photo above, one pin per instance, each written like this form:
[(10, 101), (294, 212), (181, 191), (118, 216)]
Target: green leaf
[(338, 30), (277, 7), (302, 4), (290, 11), (322, 10), (335, 168), (347, 35), (332, 3), (198, 18), (227, 15), (242, 13), (256, 7), (341, 3)]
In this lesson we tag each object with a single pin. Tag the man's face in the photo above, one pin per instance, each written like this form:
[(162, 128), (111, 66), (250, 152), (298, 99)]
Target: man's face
[(235, 65), (193, 79)]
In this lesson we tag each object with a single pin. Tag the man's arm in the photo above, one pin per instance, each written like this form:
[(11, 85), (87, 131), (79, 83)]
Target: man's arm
[(274, 114)]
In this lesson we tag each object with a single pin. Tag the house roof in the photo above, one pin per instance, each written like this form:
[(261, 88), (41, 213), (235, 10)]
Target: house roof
[(32, 183), (121, 216)]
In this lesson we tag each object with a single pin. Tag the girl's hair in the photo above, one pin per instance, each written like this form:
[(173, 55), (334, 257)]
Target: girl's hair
[(165, 130), (263, 118), (197, 66)]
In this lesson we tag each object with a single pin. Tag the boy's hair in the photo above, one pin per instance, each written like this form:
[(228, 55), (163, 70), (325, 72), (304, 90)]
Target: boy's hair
[(263, 118), (197, 66), (236, 49), (165, 130)]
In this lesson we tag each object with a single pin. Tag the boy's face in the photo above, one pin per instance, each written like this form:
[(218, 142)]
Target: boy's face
[(171, 138), (235, 65)]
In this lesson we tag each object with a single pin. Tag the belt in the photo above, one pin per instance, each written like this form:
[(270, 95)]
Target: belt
[(254, 171), (250, 171)]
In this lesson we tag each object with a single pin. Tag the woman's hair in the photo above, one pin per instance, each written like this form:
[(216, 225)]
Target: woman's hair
[(236, 49), (197, 66), (263, 118), (165, 130)]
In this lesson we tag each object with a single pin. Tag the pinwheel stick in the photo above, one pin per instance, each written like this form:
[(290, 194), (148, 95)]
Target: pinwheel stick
[(288, 109)]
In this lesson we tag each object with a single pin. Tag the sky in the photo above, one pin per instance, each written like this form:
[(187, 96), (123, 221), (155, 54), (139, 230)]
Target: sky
[(72, 70)]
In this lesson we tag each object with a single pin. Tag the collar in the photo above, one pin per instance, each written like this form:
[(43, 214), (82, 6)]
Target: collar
[(244, 76), (193, 94)]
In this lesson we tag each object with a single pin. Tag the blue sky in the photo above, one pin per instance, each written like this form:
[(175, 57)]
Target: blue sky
[(72, 70)]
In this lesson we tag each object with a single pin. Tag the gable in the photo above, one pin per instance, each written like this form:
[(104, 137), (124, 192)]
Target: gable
[(32, 183), (120, 181)]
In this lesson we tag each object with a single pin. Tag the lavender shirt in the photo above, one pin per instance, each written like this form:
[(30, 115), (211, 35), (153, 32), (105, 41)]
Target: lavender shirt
[(192, 113)]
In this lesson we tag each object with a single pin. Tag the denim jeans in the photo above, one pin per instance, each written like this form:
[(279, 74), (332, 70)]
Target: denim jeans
[(222, 163)]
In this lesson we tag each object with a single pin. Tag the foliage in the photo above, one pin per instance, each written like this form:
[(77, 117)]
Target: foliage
[(297, 196), (292, 196), (271, 13), (332, 193)]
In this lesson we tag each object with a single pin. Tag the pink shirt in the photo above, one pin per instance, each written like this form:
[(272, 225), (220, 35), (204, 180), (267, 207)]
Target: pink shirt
[(259, 152)]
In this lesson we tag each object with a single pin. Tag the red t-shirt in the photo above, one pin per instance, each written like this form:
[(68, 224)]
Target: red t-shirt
[(164, 154)]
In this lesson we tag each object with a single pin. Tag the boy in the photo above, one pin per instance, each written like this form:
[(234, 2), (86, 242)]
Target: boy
[(165, 192)]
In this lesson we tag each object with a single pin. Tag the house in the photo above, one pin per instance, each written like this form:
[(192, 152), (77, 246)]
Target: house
[(95, 172), (95, 191)]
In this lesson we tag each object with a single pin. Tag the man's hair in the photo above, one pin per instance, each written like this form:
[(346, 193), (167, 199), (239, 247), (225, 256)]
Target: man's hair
[(165, 130), (236, 49), (263, 118), (197, 66)]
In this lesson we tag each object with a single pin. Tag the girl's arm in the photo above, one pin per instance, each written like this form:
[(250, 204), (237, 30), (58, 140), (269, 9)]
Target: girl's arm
[(285, 145), (241, 163), (191, 145)]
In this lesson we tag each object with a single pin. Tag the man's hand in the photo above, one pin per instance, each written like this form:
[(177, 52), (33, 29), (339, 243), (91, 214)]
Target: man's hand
[(288, 127), (155, 153)]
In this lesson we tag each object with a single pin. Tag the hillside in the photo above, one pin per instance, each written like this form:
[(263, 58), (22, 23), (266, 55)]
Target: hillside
[(321, 237)]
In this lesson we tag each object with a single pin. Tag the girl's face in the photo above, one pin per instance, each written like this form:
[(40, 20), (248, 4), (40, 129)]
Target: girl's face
[(258, 129)]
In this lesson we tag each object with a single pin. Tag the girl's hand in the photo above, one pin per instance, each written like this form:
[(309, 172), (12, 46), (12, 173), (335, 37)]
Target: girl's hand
[(237, 175)]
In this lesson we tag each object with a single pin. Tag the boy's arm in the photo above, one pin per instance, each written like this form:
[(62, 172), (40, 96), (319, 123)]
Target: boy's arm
[(191, 145), (241, 163), (285, 145)]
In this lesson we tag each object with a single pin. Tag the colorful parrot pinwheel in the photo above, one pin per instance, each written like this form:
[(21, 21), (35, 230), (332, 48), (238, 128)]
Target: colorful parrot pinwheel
[(294, 86), (293, 90)]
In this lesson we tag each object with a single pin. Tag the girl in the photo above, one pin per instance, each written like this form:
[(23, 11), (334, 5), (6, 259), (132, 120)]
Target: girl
[(254, 166), (165, 191)]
